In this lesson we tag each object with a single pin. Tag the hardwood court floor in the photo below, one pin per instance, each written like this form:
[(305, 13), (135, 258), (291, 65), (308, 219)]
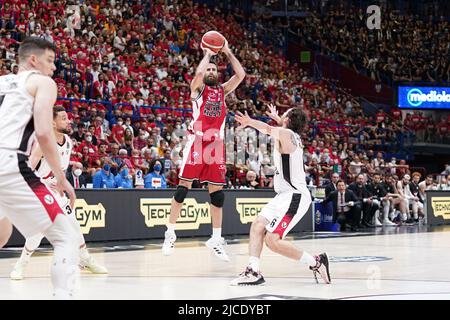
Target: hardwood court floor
[(401, 264)]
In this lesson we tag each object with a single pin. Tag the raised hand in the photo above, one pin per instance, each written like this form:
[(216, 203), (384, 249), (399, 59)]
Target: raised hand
[(226, 49), (272, 112), (243, 120)]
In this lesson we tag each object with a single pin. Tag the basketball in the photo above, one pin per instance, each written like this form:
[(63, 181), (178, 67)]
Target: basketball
[(213, 40)]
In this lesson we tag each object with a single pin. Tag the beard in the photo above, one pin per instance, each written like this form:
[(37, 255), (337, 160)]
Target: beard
[(64, 130), (211, 81)]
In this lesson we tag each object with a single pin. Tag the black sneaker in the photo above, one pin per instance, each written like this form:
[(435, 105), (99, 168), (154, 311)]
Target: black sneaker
[(248, 278), (322, 268)]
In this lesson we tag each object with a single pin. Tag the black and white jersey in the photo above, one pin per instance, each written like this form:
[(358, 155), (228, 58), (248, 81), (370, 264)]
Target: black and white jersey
[(16, 113), (65, 151), (290, 171)]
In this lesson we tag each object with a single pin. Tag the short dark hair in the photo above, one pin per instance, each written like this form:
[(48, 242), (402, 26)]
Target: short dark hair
[(57, 110), (34, 45), (297, 120), (339, 181)]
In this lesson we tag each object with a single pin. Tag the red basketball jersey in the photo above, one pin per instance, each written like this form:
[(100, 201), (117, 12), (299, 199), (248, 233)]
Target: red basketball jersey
[(209, 112)]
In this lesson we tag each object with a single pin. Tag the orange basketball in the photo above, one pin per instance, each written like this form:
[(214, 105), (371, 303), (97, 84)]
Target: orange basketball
[(213, 40)]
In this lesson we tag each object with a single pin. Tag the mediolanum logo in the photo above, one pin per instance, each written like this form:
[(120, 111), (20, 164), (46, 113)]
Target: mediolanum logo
[(249, 208), (192, 215), (89, 216), (416, 97), (441, 207)]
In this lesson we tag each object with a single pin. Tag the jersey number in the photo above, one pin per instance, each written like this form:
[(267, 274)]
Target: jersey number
[(1, 99)]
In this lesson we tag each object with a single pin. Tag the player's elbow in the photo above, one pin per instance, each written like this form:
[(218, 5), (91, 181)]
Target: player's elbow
[(43, 135), (200, 74), (241, 75)]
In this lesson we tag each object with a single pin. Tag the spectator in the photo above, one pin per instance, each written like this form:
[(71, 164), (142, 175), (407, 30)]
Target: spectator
[(104, 178), (250, 181), (123, 179), (155, 180)]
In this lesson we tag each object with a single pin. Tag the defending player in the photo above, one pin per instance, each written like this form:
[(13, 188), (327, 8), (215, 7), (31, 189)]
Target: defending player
[(39, 163), (290, 204), (26, 102)]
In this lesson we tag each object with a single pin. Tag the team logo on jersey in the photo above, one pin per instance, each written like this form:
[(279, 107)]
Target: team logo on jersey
[(212, 95), (284, 225), (249, 208), (192, 215), (48, 199), (89, 216)]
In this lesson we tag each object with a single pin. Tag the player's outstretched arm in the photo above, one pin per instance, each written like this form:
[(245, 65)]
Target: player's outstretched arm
[(283, 135), (197, 82), (239, 75)]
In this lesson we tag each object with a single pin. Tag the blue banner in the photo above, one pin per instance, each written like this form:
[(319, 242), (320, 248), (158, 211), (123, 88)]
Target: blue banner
[(323, 217), (423, 97)]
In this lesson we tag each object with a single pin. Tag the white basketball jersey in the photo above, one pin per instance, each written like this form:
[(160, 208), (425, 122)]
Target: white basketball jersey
[(290, 171), (16, 113), (65, 150)]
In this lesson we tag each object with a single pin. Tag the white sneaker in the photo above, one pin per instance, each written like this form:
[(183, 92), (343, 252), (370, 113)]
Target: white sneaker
[(19, 269), (392, 215), (92, 266), (169, 243), (387, 222), (216, 245), (378, 223), (404, 217), (248, 278)]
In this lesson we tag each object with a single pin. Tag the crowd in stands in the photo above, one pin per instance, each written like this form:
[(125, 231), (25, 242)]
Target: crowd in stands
[(127, 66), (407, 47)]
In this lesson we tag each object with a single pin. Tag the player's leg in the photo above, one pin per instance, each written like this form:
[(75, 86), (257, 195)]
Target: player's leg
[(252, 275), (189, 171), (216, 242), (32, 209), (386, 209), (31, 244), (64, 270), (5, 231), (86, 261), (299, 204), (414, 210), (175, 209)]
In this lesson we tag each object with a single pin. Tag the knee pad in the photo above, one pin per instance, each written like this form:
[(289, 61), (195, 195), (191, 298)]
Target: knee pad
[(217, 198), (180, 194)]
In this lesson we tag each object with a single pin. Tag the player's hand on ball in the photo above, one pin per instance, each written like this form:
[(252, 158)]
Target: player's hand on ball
[(243, 120), (226, 48), (207, 51)]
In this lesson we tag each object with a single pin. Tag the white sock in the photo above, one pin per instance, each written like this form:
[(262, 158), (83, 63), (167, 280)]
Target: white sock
[(217, 233), (253, 263), (171, 227), (84, 253), (308, 259), (26, 255)]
